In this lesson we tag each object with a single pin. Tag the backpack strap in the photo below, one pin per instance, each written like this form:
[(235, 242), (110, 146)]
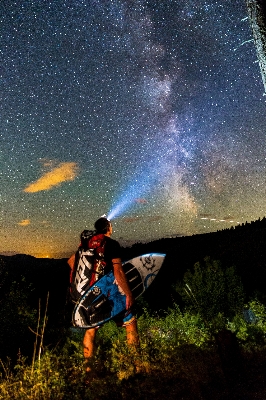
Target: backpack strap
[(97, 243), (89, 265)]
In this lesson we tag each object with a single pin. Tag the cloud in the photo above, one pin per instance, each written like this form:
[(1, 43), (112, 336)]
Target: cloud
[(229, 218), (137, 218), (45, 224), (205, 216), (24, 222), (212, 218), (131, 219), (64, 172), (141, 201), (155, 218)]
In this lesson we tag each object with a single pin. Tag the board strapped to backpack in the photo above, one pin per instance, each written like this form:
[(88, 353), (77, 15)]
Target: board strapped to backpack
[(89, 263)]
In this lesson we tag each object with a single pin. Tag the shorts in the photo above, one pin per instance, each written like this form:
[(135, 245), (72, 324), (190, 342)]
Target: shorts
[(124, 319)]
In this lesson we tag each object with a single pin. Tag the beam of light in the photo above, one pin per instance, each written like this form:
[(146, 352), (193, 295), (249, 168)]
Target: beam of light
[(134, 193), (127, 199), (159, 169)]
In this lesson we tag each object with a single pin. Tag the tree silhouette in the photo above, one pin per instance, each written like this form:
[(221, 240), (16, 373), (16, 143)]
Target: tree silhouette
[(257, 17)]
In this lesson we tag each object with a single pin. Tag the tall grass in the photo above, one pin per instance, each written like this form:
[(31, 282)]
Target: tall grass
[(177, 358)]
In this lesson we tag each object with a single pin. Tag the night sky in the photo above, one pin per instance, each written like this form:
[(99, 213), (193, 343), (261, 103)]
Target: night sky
[(151, 112)]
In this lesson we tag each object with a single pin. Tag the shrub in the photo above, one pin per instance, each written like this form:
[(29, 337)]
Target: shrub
[(16, 317), (252, 335), (215, 293)]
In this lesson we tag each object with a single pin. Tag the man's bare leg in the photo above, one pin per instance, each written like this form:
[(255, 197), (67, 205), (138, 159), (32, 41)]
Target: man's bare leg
[(88, 346), (132, 334), (133, 342)]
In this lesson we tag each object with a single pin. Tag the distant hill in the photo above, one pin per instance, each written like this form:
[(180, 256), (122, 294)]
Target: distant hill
[(45, 274), (242, 246), (24, 283)]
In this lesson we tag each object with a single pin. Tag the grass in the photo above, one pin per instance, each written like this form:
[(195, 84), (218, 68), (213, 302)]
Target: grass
[(178, 359)]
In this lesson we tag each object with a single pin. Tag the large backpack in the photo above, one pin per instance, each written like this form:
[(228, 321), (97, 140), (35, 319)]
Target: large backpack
[(89, 263)]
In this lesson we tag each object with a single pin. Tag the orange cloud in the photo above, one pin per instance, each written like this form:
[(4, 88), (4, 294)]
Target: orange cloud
[(24, 222), (64, 172)]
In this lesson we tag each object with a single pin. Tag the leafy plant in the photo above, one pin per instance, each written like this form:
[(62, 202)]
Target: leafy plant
[(16, 317), (213, 292), (252, 335), (175, 360)]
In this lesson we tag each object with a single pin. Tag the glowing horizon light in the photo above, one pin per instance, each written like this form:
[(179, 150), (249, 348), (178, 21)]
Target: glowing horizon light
[(40, 255)]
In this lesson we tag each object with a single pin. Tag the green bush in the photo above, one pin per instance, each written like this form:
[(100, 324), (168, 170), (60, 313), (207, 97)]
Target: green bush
[(251, 335), (213, 292), (16, 318)]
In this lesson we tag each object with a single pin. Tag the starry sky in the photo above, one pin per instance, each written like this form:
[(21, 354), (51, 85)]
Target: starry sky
[(149, 111)]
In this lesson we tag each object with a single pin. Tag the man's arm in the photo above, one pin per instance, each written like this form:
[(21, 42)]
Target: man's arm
[(71, 261), (122, 281)]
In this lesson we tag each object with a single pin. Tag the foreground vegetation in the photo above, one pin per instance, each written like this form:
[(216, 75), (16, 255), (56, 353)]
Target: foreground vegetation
[(179, 358), (209, 349)]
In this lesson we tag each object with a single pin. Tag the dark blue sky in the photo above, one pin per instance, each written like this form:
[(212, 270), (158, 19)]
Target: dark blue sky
[(149, 111)]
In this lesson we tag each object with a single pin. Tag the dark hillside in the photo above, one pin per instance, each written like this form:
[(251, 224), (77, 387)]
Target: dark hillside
[(25, 280), (243, 246), (45, 275)]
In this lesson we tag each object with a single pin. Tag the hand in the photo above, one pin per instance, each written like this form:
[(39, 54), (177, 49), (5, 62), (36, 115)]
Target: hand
[(129, 301)]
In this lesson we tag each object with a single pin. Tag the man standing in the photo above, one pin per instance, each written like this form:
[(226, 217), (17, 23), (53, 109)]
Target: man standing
[(112, 259)]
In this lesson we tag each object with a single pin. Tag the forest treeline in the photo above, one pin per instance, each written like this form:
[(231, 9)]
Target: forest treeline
[(242, 246)]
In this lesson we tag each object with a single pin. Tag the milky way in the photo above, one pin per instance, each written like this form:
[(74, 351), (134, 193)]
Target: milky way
[(149, 111)]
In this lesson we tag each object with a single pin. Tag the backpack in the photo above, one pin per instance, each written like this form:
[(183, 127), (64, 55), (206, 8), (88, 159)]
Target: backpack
[(89, 263)]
